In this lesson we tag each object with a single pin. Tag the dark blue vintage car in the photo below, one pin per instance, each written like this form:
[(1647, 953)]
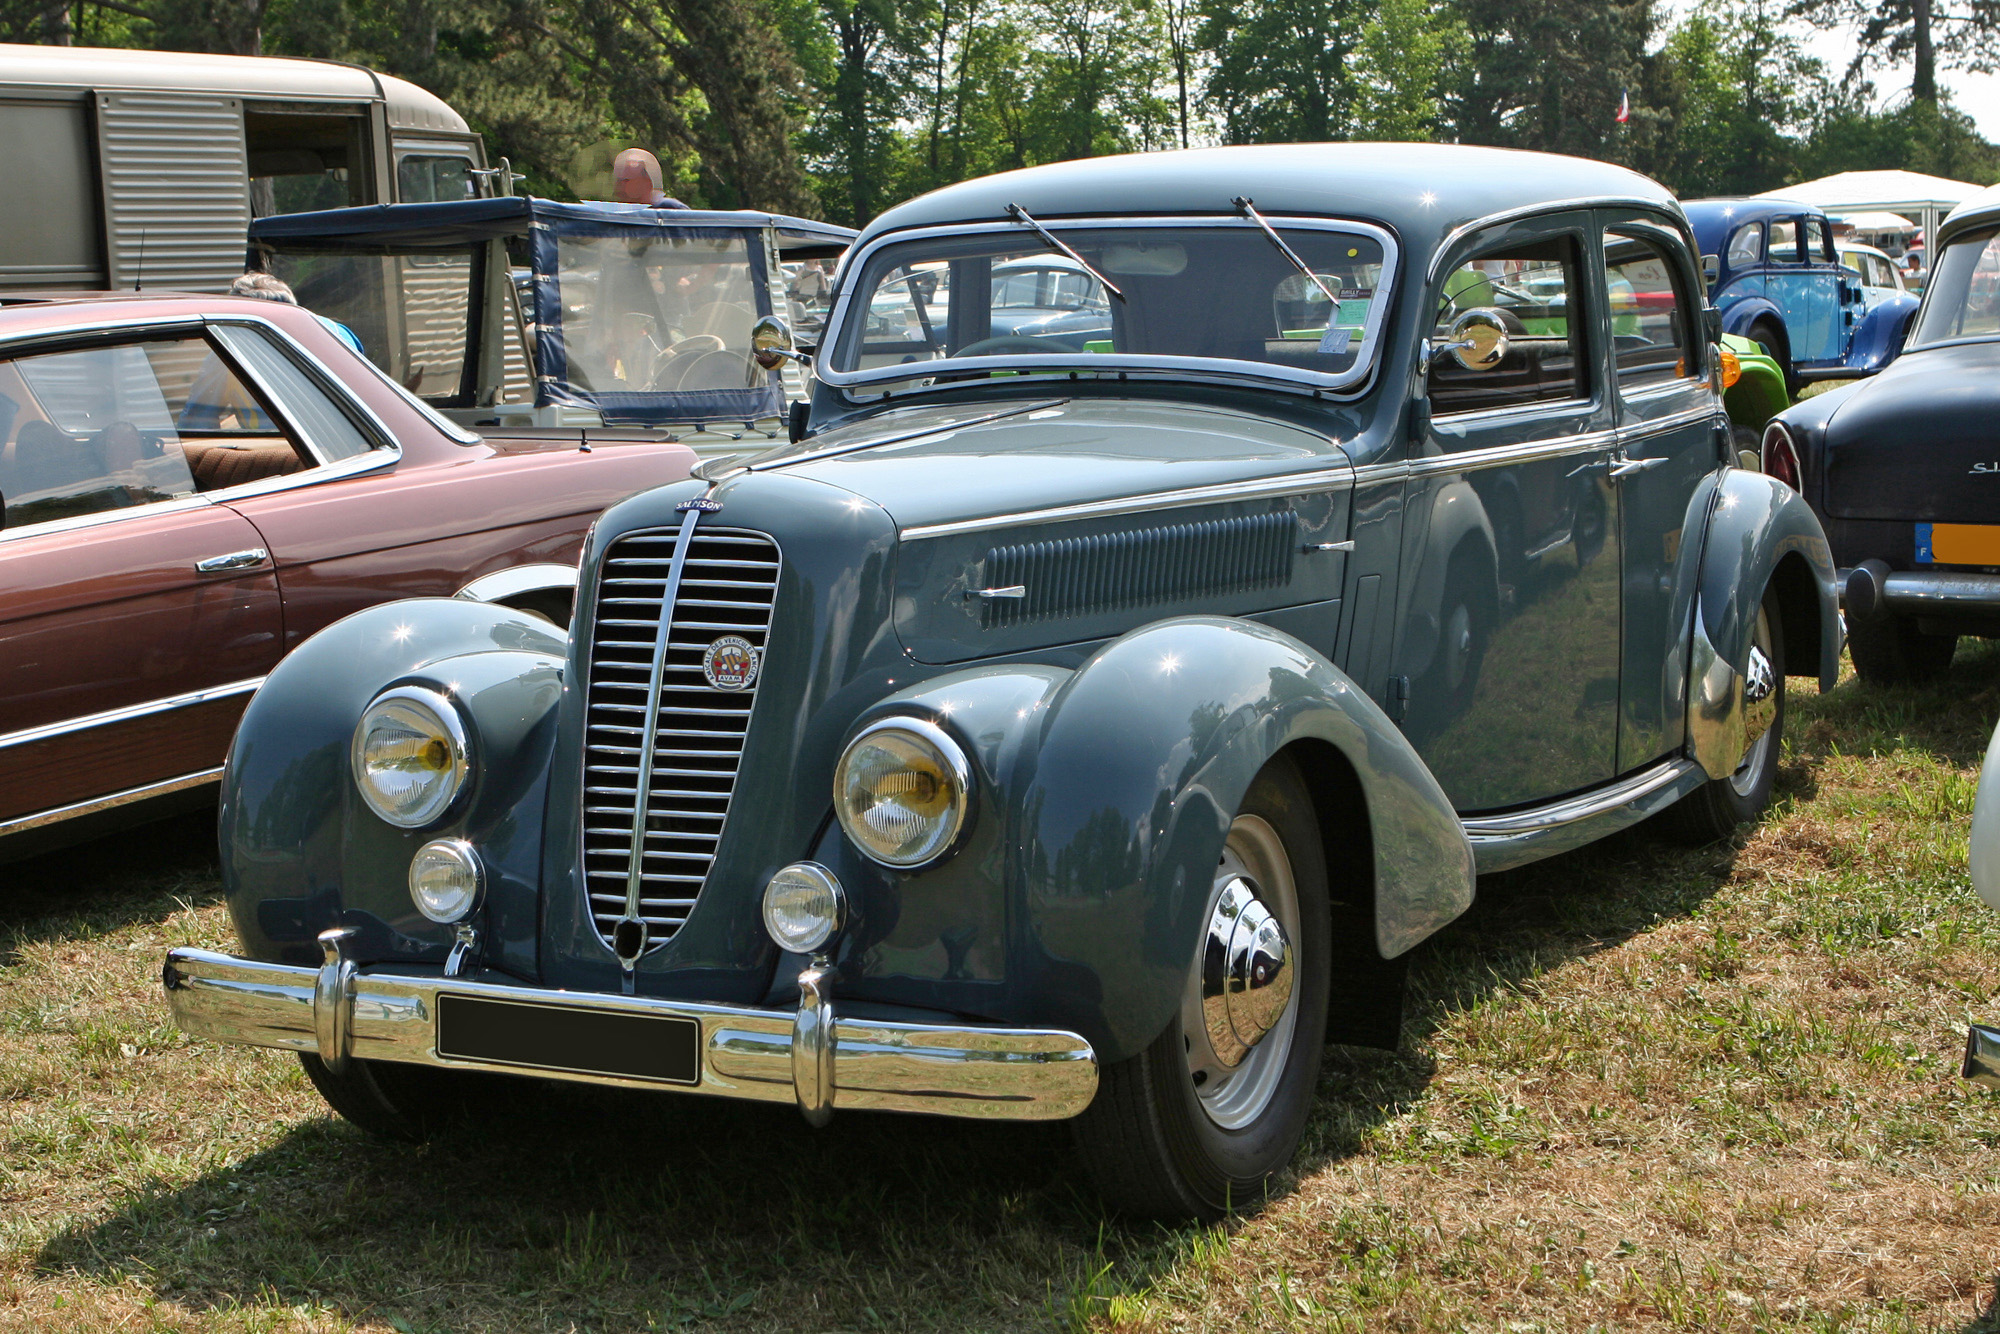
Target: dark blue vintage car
[(1062, 729), (1904, 469), (1774, 273)]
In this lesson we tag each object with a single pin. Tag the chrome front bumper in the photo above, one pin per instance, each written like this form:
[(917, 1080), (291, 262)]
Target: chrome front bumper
[(1982, 1055), (809, 1056)]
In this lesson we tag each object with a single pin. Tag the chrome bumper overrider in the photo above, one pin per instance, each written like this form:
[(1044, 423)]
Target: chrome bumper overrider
[(810, 1056), (1982, 1055)]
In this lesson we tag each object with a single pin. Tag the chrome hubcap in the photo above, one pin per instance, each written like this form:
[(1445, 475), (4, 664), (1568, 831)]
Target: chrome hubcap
[(1239, 1012), (1760, 708)]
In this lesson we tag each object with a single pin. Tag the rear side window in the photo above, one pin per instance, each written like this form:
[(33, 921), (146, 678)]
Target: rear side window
[(1649, 314), (1537, 294), (1785, 242), (1747, 246), (325, 427)]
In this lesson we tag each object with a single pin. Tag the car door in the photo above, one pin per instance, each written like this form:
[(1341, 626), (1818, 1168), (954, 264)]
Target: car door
[(1833, 300), (1508, 602), (1667, 444), (136, 616)]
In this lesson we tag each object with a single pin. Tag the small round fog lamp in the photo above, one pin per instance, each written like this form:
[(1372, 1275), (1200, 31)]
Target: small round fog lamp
[(445, 880), (803, 907)]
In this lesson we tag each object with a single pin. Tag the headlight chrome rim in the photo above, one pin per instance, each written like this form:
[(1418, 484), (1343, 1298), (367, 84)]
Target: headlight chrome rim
[(462, 854), (831, 922), (456, 770), (956, 766)]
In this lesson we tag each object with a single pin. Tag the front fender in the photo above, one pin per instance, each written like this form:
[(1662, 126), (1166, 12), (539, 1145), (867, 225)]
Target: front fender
[(1738, 316), (1122, 790), (302, 852), (1761, 534)]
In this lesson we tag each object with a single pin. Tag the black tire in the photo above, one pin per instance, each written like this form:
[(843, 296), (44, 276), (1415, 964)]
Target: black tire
[(1149, 1140), (1889, 650), (1747, 441), (394, 1101), (1772, 335), (1721, 806)]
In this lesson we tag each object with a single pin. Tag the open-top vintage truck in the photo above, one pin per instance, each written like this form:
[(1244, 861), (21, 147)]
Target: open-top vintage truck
[(1069, 726), (527, 318)]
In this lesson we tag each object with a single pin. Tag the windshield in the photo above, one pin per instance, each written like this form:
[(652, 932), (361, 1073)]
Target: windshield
[(667, 314), (1964, 297), (410, 312), (1188, 297)]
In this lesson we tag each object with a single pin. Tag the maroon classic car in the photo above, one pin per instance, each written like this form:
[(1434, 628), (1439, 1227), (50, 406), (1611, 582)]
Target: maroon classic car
[(189, 487)]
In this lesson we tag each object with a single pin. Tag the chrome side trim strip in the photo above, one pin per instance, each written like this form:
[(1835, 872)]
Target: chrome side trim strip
[(1598, 801), (964, 1070), (28, 736), (1645, 430), (1494, 456), (58, 814), (1292, 484), (178, 505)]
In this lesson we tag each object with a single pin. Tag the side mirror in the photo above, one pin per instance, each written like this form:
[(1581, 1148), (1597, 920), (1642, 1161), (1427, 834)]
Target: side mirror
[(1478, 339), (1711, 268), (771, 343), (1711, 323)]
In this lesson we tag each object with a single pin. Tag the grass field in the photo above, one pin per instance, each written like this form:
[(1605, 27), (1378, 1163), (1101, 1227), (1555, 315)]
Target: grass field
[(1640, 1087)]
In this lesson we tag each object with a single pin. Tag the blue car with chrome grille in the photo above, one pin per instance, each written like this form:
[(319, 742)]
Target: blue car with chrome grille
[(1063, 726)]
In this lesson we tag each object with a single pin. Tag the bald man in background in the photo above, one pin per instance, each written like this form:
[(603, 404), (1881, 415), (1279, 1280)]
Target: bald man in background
[(636, 179)]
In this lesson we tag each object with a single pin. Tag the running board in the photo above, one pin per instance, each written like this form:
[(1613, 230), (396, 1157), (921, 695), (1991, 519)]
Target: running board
[(1515, 838)]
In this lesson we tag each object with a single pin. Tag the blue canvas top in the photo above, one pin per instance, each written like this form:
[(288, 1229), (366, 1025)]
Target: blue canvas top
[(461, 222)]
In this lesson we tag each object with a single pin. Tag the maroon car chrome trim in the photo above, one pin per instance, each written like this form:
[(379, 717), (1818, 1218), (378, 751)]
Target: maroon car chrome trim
[(57, 814), (28, 736)]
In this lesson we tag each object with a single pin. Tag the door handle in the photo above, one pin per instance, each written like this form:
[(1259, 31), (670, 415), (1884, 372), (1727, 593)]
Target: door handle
[(1592, 466), (1627, 467), (235, 560)]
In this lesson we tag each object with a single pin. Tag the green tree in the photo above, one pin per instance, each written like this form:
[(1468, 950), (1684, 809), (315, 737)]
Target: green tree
[(1731, 93), (1283, 70), (1400, 64), (1549, 74)]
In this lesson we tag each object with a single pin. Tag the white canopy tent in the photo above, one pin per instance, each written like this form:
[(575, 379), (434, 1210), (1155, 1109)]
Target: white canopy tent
[(1922, 199)]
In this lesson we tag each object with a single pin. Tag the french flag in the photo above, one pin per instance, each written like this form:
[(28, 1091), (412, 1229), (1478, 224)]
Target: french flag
[(1624, 106)]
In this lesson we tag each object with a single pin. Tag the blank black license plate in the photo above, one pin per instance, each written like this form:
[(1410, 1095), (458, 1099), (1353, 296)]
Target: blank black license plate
[(664, 1048)]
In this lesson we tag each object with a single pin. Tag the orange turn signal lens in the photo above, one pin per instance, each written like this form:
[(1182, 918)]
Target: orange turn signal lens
[(1732, 368)]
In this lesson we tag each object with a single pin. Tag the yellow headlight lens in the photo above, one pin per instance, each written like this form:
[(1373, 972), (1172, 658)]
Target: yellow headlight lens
[(409, 756), (901, 792)]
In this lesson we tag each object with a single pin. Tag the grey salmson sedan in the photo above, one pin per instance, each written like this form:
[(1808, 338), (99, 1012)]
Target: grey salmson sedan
[(1064, 727)]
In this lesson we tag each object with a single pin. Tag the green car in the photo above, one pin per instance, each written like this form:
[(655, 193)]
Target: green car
[(1066, 728)]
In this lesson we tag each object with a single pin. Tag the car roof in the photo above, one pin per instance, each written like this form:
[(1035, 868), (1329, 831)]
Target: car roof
[(1421, 191), (1712, 219), (1982, 210), (29, 316)]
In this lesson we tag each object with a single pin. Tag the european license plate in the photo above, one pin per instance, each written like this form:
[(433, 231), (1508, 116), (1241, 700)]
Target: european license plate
[(1958, 544), (663, 1048)]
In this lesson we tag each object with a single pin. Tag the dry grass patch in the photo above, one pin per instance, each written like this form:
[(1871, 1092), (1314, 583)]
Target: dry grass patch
[(1640, 1087)]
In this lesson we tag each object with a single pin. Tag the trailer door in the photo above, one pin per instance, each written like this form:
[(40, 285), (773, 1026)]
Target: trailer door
[(48, 212)]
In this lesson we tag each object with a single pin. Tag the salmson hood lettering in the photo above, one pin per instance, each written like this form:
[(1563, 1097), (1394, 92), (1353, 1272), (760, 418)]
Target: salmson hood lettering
[(701, 504)]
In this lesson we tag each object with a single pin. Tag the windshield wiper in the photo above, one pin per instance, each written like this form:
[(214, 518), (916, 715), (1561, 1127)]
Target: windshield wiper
[(1248, 209), (1020, 214)]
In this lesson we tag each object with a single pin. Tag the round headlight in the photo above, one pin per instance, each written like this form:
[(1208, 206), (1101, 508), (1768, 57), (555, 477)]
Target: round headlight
[(409, 756), (445, 880), (901, 792), (803, 907)]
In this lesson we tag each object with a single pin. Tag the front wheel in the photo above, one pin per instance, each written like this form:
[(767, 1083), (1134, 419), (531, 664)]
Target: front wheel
[(392, 1100), (1716, 809), (1202, 1120)]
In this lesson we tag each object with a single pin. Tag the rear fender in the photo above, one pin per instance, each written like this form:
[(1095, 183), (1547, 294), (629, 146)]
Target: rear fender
[(1879, 337), (1115, 785), (302, 852), (1761, 534)]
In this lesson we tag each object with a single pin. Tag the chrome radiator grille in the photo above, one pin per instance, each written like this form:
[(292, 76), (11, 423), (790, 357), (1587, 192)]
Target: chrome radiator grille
[(727, 586)]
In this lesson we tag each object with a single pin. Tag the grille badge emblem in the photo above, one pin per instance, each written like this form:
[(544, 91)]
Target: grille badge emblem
[(730, 663)]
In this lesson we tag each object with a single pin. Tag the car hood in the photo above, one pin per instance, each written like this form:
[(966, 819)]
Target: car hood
[(1921, 441), (938, 465)]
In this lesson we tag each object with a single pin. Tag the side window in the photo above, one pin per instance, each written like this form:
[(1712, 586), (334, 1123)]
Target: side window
[(1819, 241), (1747, 246), (329, 432), (112, 427), (1649, 316), (422, 178), (1535, 293), (1785, 241)]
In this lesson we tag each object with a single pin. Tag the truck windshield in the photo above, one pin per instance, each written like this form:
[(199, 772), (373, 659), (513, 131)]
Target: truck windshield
[(1195, 296), (1964, 299)]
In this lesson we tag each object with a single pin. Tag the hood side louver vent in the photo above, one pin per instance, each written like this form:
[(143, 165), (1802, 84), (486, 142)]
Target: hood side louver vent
[(1077, 575)]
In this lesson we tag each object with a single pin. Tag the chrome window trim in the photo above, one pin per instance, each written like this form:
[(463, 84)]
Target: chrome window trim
[(1525, 211), (374, 460), (328, 383), (178, 505), (57, 814), (1599, 801), (1291, 484), (47, 731), (1495, 456), (1349, 383), (1515, 412)]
